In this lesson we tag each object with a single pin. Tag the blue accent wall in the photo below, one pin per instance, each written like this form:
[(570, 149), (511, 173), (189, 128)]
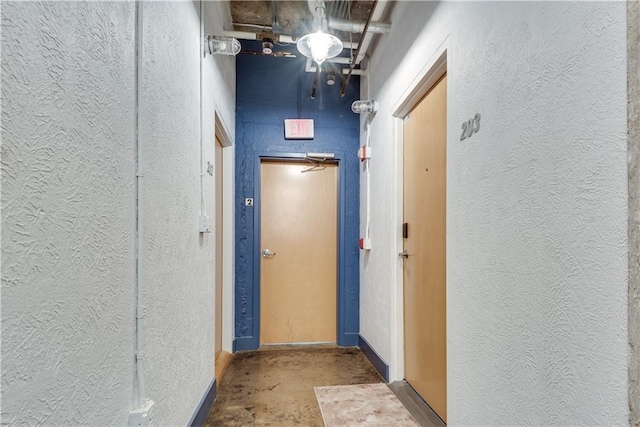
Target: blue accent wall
[(269, 90)]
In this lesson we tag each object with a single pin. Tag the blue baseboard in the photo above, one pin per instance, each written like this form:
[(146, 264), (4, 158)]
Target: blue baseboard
[(245, 343), (376, 361), (349, 339), (202, 411)]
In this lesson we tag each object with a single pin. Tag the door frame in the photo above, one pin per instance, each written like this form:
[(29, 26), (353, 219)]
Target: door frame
[(341, 336), (221, 131), (435, 67)]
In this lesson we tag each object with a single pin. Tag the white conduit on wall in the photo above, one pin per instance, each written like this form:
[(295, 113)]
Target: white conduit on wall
[(201, 56), (368, 171), (368, 179), (140, 398)]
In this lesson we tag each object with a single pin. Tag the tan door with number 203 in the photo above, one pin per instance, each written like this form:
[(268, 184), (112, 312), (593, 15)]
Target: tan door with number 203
[(298, 269), (425, 333)]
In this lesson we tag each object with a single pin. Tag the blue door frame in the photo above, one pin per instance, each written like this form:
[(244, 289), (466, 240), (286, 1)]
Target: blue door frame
[(344, 339)]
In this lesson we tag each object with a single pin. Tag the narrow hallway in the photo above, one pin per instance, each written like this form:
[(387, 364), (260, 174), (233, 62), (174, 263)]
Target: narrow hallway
[(319, 212)]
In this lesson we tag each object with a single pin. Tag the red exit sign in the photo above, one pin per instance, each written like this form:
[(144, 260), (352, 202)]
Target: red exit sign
[(298, 128)]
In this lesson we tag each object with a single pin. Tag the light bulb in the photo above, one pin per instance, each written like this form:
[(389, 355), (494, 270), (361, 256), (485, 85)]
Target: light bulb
[(319, 44)]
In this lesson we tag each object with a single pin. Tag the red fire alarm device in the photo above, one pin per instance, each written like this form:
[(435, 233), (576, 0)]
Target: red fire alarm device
[(298, 128), (364, 153), (365, 244)]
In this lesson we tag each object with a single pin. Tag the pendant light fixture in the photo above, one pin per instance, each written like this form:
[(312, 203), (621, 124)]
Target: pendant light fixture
[(320, 45)]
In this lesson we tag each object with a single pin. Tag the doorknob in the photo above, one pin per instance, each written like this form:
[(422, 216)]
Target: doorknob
[(404, 254), (268, 254)]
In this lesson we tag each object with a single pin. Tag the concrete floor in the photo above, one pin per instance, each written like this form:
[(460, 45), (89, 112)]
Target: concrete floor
[(275, 386)]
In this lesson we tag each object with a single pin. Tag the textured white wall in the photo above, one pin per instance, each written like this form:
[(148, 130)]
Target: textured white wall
[(220, 100), (537, 206), (68, 208), (67, 213), (179, 262)]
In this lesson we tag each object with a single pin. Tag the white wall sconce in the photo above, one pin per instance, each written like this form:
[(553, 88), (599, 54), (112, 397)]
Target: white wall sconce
[(221, 45), (364, 106)]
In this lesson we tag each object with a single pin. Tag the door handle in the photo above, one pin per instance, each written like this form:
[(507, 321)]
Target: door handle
[(268, 254), (404, 254)]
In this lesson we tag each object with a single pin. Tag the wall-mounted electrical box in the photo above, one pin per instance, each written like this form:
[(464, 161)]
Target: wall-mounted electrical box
[(205, 225)]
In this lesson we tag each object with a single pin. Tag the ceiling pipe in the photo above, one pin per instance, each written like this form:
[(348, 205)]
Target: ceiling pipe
[(247, 35), (377, 13), (241, 35), (336, 60), (317, 8), (275, 26), (259, 26), (286, 39), (343, 9), (356, 55), (358, 27), (315, 84), (311, 68)]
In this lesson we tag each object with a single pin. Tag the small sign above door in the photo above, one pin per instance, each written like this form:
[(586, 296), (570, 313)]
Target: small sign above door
[(298, 128)]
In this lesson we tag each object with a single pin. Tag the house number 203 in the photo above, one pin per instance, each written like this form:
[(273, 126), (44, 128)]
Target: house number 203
[(470, 127)]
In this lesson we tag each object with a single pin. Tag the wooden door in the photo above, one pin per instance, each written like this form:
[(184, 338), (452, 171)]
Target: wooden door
[(425, 161), (298, 284), (218, 238)]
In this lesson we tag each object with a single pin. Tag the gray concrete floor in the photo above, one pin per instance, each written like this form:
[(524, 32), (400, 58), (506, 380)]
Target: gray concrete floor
[(275, 386)]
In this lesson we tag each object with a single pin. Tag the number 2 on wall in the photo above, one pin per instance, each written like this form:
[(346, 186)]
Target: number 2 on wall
[(470, 127)]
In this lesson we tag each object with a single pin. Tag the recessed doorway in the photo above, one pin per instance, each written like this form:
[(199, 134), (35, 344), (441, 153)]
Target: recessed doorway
[(424, 244)]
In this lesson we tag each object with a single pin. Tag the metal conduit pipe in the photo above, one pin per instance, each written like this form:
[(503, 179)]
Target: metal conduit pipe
[(274, 9), (259, 26), (358, 27), (343, 9), (315, 84), (241, 35), (332, 8), (354, 62), (376, 15), (317, 8), (310, 68), (246, 35)]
